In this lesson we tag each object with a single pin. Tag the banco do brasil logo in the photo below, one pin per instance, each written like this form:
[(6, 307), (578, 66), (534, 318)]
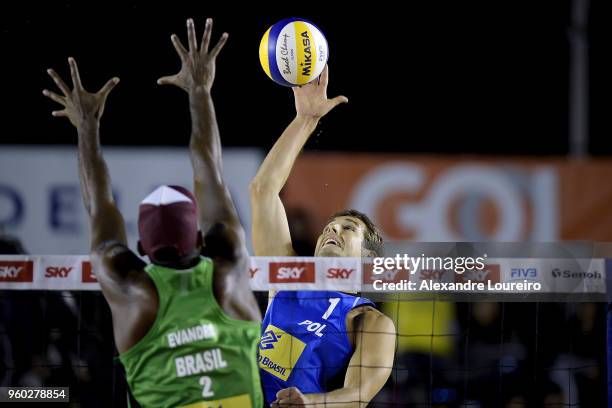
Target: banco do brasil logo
[(268, 339)]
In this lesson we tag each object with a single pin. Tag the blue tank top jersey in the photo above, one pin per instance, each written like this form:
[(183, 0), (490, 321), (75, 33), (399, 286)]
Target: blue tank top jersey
[(304, 341)]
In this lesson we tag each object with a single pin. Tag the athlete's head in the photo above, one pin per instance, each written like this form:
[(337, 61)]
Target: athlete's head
[(168, 226), (349, 233)]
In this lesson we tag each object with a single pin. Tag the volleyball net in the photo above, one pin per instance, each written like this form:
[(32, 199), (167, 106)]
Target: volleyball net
[(456, 345)]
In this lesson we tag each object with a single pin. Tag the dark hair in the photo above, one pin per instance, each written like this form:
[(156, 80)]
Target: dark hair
[(372, 239)]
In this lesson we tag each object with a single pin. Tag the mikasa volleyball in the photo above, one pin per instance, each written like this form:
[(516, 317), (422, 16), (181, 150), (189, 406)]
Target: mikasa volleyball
[(293, 52)]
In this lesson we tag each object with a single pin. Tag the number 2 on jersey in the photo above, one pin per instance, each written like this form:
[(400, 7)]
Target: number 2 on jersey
[(206, 383)]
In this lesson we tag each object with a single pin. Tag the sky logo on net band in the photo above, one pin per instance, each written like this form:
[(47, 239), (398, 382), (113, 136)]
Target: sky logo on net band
[(16, 271), (292, 272), (87, 273), (490, 273), (433, 274), (388, 275), (339, 273), (57, 271)]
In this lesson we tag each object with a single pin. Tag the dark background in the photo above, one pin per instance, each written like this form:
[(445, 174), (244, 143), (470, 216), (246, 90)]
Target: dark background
[(442, 77), (479, 77)]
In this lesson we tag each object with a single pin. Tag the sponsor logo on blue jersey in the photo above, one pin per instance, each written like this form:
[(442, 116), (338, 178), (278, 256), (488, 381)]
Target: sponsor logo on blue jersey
[(268, 340)]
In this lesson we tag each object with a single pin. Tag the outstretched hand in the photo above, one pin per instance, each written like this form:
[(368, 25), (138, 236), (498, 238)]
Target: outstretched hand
[(198, 63), (311, 99), (79, 105)]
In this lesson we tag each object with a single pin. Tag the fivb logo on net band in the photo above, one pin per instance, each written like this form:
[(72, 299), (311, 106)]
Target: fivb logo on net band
[(524, 273)]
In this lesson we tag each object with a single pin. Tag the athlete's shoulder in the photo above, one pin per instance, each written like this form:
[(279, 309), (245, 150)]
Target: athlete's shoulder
[(369, 319)]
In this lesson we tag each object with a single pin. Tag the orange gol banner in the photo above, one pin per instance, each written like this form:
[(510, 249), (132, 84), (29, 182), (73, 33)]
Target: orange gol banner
[(436, 198)]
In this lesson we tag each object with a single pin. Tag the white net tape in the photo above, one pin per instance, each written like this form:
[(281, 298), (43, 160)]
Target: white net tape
[(59, 272)]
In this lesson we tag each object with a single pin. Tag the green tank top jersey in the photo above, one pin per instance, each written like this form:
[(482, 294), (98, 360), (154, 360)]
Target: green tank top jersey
[(194, 355)]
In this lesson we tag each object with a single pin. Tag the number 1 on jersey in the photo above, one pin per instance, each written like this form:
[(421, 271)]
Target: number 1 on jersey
[(334, 302)]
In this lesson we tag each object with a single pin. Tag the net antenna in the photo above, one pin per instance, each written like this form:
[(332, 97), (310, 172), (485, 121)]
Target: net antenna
[(579, 79)]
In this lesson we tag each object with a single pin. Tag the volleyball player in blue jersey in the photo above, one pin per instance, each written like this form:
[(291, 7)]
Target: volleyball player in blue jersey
[(324, 347)]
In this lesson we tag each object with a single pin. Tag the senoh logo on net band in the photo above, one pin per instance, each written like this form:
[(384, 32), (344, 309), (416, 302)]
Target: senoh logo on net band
[(16, 271), (569, 274), (58, 271), (292, 272)]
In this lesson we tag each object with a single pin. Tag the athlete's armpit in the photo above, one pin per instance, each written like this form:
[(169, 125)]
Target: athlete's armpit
[(110, 245), (112, 261), (225, 242)]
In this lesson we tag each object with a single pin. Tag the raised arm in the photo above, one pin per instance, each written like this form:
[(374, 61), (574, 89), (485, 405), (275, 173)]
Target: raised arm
[(270, 227), (196, 77), (108, 236), (84, 111)]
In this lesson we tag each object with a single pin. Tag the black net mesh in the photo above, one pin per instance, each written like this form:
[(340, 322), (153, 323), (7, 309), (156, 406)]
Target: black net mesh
[(447, 354)]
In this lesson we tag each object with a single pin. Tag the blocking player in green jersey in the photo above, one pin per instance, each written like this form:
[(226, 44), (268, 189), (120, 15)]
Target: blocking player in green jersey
[(187, 325)]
